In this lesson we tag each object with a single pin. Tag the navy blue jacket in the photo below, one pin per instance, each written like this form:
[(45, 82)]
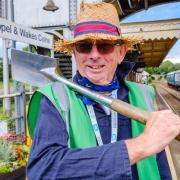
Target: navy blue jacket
[(50, 157)]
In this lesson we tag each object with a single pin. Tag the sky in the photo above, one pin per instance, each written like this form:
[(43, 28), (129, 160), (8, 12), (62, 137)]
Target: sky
[(164, 11)]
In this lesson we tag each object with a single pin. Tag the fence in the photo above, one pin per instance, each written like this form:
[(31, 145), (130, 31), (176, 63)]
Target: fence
[(17, 122)]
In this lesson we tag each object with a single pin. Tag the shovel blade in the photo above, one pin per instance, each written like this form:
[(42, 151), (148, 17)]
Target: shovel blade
[(26, 67)]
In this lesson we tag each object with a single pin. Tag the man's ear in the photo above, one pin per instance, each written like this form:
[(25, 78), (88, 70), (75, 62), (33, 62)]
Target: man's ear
[(123, 51)]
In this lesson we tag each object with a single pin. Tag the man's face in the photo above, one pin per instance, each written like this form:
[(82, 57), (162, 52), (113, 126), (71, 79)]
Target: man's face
[(99, 63)]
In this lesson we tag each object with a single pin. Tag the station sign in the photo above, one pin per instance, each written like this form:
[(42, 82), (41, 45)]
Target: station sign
[(13, 31)]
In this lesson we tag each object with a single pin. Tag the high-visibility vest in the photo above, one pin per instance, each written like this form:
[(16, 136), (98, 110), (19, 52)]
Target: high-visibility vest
[(78, 123)]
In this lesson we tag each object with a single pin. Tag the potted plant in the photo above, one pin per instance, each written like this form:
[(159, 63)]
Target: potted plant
[(13, 157)]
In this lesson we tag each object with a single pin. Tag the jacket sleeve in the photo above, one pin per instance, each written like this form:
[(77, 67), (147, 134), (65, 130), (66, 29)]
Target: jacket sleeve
[(50, 157)]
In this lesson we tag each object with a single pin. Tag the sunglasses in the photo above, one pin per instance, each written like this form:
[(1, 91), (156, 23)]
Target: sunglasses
[(103, 47)]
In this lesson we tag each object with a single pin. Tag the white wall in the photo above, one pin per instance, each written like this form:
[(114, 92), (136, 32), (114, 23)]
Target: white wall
[(30, 13)]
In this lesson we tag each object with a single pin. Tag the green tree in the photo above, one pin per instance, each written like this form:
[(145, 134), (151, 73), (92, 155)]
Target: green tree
[(177, 66), (149, 70), (166, 67), (26, 49)]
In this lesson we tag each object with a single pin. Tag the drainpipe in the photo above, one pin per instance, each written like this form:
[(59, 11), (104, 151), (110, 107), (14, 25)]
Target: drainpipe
[(6, 101), (72, 20)]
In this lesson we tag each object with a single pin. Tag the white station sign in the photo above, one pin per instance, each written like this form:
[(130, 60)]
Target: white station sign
[(13, 31)]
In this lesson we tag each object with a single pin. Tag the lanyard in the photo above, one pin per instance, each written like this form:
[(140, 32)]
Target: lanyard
[(114, 125)]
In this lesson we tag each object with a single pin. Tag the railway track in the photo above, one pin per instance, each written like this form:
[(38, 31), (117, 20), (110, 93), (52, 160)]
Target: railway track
[(169, 98)]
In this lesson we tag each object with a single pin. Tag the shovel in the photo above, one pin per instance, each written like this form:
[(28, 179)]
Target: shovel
[(26, 67), (39, 67)]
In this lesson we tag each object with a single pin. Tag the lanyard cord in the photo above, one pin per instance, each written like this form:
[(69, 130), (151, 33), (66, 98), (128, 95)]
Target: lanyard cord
[(114, 125)]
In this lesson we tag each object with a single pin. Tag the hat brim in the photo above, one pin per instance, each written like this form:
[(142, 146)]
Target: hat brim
[(66, 46)]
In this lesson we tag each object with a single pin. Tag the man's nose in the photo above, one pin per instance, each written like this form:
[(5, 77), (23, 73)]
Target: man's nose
[(94, 54)]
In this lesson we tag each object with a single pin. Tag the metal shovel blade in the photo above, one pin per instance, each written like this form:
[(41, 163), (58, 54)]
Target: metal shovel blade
[(26, 67)]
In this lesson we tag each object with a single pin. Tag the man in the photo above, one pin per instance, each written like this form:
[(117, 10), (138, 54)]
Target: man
[(76, 138)]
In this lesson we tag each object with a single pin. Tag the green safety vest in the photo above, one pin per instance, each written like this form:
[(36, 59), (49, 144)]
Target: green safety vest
[(81, 134)]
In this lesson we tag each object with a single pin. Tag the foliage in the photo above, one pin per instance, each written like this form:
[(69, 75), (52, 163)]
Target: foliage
[(149, 79), (13, 153), (177, 66), (26, 49), (5, 150), (1, 70), (5, 156), (164, 68), (5, 168), (3, 115)]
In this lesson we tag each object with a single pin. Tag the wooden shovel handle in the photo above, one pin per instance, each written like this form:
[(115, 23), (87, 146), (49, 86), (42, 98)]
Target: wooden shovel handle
[(178, 137), (132, 112)]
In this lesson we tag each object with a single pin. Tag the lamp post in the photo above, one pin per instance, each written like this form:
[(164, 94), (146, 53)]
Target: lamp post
[(16, 87), (6, 101), (50, 6)]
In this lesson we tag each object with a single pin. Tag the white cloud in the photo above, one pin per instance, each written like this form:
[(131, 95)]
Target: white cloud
[(174, 53), (173, 59)]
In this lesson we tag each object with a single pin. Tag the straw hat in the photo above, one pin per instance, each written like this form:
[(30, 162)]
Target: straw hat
[(96, 21)]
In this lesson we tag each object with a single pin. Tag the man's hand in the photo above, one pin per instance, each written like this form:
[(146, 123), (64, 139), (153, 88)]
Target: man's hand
[(161, 128)]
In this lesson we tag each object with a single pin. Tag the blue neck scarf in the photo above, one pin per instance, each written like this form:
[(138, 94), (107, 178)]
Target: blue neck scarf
[(83, 81)]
